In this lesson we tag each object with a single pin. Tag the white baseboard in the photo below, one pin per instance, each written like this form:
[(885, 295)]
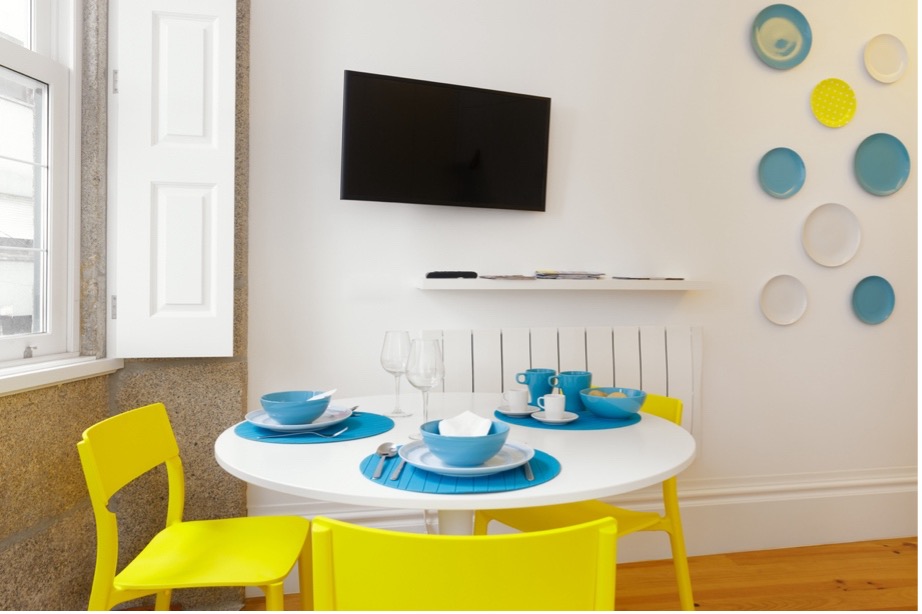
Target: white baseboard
[(719, 515)]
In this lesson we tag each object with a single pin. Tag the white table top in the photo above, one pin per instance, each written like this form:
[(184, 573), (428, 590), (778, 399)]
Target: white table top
[(594, 463)]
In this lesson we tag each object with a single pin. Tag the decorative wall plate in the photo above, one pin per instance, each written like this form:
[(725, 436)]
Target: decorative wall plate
[(833, 103), (882, 164), (781, 36), (783, 300), (873, 299), (885, 58), (831, 234), (782, 172)]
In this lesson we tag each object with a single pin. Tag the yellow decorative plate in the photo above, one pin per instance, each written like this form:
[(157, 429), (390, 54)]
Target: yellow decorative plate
[(833, 103)]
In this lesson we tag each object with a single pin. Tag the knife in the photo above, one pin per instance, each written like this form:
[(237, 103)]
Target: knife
[(529, 475), (398, 468)]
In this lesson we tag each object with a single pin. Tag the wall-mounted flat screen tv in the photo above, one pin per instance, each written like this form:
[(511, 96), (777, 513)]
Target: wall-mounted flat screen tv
[(413, 141)]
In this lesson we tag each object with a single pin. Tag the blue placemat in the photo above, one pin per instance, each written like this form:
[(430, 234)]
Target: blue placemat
[(360, 426), (543, 465), (587, 422)]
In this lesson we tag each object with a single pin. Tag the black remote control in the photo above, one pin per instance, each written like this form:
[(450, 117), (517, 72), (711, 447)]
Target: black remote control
[(451, 274)]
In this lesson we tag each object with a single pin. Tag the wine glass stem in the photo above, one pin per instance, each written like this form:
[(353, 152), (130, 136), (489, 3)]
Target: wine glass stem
[(397, 392), (425, 406)]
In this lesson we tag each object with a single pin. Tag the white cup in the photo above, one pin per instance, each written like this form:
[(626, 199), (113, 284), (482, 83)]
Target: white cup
[(553, 405), (516, 399)]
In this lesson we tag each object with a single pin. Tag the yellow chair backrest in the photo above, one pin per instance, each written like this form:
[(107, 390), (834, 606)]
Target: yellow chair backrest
[(667, 408), (113, 453), (359, 568)]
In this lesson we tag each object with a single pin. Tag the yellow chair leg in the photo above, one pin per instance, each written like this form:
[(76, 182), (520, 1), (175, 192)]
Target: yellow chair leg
[(306, 577), (481, 522), (163, 600), (677, 542), (275, 596)]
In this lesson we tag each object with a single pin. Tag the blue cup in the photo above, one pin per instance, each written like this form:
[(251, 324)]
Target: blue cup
[(538, 382), (570, 383)]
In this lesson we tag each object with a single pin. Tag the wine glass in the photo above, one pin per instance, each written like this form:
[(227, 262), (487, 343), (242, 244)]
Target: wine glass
[(425, 370), (394, 355)]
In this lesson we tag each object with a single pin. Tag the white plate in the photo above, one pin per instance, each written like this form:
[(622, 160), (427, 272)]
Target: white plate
[(526, 412), (568, 416), (831, 234), (784, 299), (885, 58), (332, 415), (512, 455)]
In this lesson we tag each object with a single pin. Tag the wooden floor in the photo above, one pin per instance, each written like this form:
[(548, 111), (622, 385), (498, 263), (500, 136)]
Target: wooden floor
[(872, 575)]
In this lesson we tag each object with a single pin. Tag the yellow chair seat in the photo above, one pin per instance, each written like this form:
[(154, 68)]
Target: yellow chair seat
[(358, 568), (547, 517), (226, 552), (254, 551)]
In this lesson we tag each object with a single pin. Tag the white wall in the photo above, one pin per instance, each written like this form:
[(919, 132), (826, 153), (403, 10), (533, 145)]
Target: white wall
[(660, 114)]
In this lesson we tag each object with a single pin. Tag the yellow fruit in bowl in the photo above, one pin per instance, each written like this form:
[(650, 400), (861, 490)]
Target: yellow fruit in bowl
[(617, 395), (596, 393)]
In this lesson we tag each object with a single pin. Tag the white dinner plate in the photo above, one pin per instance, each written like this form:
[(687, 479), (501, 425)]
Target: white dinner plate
[(332, 415), (783, 300), (568, 416), (529, 410), (831, 234), (512, 455), (885, 58)]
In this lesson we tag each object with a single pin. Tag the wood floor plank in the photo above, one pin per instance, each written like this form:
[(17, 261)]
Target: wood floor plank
[(870, 575)]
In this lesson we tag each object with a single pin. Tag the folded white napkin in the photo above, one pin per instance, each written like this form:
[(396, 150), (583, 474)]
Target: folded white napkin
[(467, 424)]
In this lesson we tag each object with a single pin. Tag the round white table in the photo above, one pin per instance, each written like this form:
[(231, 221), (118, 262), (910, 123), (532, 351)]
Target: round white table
[(594, 463)]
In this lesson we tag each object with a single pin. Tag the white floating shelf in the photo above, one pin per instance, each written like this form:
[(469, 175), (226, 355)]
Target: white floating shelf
[(563, 284)]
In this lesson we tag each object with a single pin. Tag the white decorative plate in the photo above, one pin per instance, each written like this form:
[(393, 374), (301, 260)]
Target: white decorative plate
[(332, 415), (831, 234), (512, 455), (784, 299), (885, 58)]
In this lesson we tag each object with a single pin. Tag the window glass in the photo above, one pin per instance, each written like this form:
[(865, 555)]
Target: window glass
[(23, 186), (16, 21)]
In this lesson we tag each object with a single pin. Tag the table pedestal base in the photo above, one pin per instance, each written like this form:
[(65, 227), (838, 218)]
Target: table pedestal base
[(456, 522)]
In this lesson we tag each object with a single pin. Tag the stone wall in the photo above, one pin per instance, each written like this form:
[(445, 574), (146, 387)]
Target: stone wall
[(47, 531)]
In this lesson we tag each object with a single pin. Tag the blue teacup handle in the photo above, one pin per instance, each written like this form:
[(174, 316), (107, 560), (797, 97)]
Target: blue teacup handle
[(520, 378)]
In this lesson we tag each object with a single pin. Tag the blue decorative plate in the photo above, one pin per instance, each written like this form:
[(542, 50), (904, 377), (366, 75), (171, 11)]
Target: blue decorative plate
[(781, 36), (882, 164), (782, 172), (873, 299)]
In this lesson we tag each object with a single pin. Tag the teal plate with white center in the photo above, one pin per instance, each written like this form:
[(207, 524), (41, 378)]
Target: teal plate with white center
[(781, 36)]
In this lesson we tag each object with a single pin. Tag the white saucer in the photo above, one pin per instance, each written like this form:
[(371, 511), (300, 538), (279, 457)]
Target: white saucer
[(568, 416), (332, 415), (512, 454), (529, 410)]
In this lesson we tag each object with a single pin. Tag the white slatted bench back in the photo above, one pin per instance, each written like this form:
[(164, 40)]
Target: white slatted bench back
[(659, 359)]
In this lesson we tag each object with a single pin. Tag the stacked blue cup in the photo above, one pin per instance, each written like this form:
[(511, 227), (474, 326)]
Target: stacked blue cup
[(570, 383)]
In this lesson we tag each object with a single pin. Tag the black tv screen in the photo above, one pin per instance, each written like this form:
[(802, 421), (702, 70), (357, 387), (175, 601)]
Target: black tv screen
[(413, 141)]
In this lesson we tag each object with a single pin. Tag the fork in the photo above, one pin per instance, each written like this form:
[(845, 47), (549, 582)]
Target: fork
[(292, 433)]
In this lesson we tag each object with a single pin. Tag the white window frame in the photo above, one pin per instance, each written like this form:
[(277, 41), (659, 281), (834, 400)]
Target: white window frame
[(55, 59)]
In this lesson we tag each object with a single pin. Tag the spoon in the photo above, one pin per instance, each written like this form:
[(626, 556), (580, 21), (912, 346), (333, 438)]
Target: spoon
[(321, 395), (385, 451)]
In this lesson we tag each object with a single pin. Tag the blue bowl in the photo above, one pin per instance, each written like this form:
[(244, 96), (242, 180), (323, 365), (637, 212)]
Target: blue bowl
[(293, 407), (615, 408), (464, 451)]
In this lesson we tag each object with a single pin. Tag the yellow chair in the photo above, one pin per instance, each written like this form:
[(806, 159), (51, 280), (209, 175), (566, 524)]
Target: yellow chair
[(358, 568), (629, 521), (255, 551)]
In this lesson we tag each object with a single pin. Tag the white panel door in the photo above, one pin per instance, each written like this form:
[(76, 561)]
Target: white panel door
[(171, 177)]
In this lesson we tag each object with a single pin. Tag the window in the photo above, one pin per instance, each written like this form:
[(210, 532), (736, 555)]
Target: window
[(37, 164)]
